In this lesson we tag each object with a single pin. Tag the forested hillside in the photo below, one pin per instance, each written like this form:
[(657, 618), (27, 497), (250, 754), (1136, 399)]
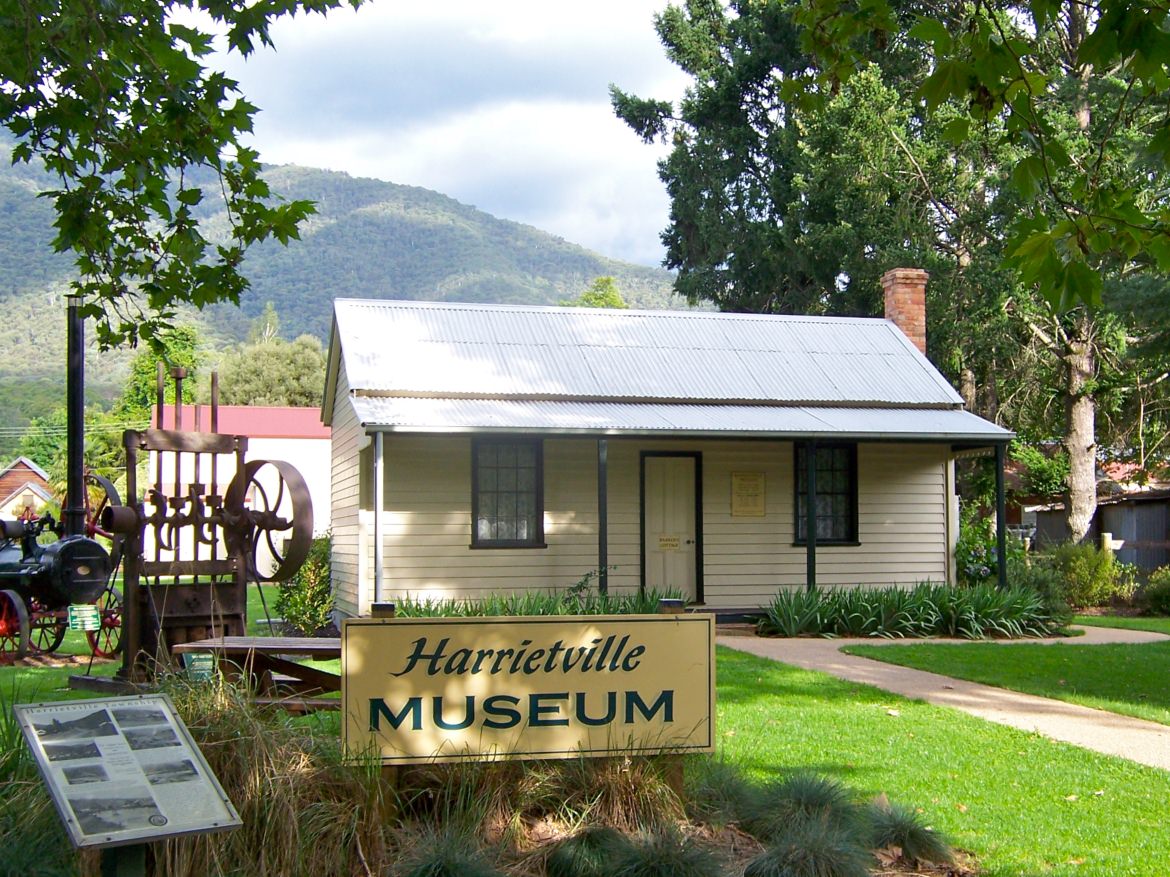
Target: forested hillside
[(373, 239), (369, 239)]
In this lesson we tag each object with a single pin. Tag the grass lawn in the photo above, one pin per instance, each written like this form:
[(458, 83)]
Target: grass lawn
[(1156, 624), (26, 684), (1022, 804), (1126, 679), (1025, 805)]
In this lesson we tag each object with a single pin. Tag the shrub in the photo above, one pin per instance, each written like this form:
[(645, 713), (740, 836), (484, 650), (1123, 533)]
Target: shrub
[(1037, 574), (1091, 575), (977, 552), (1154, 597), (306, 600)]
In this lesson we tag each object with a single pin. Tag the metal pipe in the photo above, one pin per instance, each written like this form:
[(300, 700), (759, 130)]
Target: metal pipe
[(378, 503), (74, 514), (810, 515), (1001, 514), (602, 516)]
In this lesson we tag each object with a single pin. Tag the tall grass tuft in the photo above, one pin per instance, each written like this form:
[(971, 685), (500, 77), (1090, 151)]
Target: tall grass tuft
[(665, 852), (574, 601), (812, 848), (303, 811), (895, 826)]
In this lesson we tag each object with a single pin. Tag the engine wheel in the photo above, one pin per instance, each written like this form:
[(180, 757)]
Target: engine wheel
[(106, 641), (100, 494), (46, 629), (278, 518), (13, 627)]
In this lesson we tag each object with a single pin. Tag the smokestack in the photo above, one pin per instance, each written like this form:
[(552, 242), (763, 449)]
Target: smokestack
[(905, 290)]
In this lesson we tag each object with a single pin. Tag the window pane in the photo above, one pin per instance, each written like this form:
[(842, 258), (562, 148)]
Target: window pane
[(487, 478), (505, 479), (484, 528), (487, 455)]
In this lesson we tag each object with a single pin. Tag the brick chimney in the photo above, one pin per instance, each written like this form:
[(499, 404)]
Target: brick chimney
[(906, 302)]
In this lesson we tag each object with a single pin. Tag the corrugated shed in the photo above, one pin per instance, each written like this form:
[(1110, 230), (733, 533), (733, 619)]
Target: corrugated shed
[(420, 349), (447, 415)]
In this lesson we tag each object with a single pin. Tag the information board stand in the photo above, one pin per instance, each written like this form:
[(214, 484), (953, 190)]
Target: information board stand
[(124, 772)]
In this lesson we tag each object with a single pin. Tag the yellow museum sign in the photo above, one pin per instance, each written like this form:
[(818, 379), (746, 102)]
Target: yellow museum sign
[(451, 689)]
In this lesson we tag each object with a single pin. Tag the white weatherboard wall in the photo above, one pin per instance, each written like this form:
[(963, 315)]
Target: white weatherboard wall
[(347, 441), (903, 520)]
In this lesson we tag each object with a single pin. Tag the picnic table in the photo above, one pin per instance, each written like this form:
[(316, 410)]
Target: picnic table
[(267, 664)]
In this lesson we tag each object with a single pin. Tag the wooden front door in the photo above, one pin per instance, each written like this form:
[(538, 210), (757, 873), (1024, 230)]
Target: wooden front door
[(670, 538)]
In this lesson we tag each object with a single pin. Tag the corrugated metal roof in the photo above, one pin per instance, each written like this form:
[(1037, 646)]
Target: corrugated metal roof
[(468, 415), (424, 349)]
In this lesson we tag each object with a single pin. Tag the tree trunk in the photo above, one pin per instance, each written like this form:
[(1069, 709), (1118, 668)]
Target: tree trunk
[(967, 387), (1080, 429)]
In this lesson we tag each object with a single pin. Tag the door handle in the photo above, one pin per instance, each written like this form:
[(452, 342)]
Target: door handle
[(690, 542)]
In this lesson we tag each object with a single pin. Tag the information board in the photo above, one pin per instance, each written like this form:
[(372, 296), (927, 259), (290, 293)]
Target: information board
[(124, 770)]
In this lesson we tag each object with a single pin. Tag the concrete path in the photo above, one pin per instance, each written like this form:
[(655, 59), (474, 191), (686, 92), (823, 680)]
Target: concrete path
[(1135, 739)]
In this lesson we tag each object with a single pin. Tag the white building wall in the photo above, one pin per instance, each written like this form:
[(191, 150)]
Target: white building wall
[(903, 521)]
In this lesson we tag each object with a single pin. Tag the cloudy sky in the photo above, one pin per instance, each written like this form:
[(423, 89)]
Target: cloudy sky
[(503, 105)]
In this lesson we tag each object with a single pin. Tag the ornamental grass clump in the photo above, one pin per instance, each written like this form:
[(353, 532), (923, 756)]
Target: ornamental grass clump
[(812, 848), (894, 827), (441, 852), (979, 612), (591, 852), (800, 798), (717, 792), (666, 852)]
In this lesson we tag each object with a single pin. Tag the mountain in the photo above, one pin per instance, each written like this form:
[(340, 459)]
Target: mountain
[(372, 239), (369, 239)]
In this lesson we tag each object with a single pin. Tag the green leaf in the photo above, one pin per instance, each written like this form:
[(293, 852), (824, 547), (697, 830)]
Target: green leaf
[(933, 31)]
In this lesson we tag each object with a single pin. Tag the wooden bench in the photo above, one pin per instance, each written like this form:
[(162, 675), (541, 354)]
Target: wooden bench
[(266, 663)]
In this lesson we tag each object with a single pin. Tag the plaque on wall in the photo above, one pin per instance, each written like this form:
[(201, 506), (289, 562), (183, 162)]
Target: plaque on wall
[(747, 494)]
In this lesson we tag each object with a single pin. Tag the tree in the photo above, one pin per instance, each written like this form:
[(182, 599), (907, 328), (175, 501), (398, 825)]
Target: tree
[(791, 193), (276, 372), (44, 442), (603, 292), (1103, 180), (114, 98), (180, 348), (265, 327)]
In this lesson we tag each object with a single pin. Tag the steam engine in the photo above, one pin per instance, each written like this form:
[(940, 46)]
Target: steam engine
[(71, 570)]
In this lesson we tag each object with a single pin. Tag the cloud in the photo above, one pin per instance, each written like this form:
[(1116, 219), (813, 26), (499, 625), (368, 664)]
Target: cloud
[(501, 105)]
